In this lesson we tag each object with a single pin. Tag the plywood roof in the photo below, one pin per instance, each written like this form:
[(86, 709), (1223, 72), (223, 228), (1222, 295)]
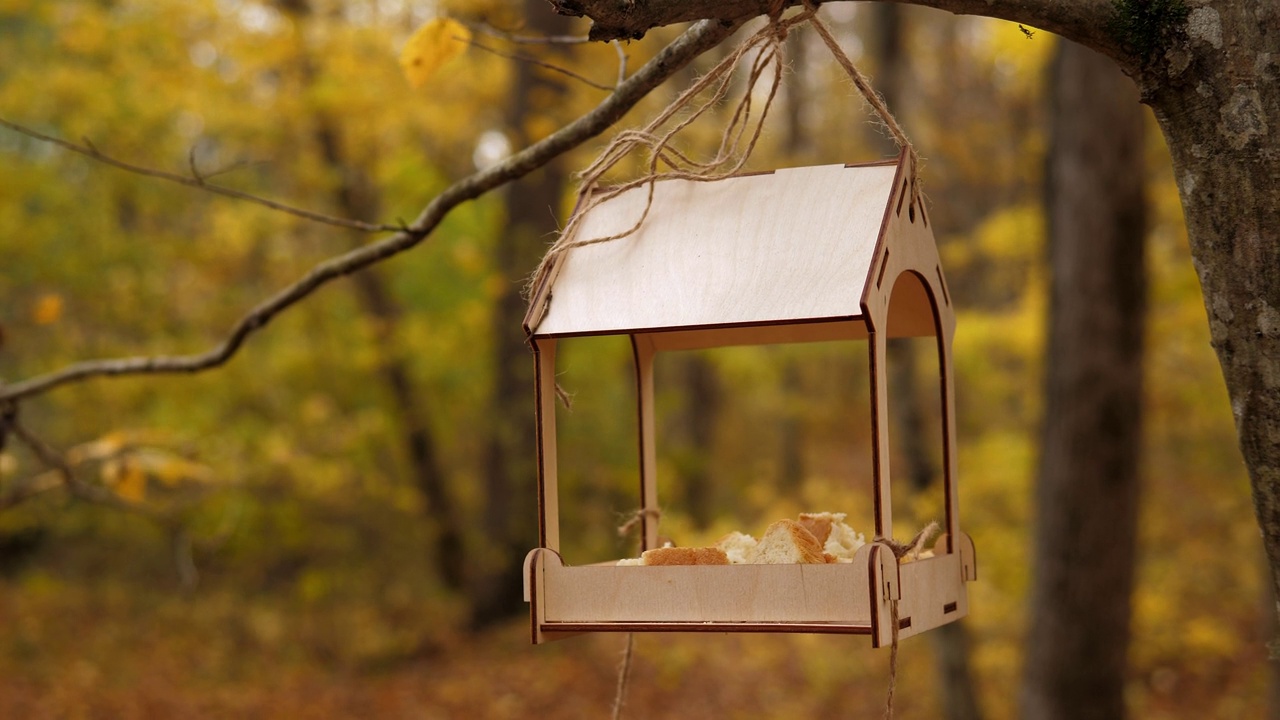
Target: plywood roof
[(793, 245)]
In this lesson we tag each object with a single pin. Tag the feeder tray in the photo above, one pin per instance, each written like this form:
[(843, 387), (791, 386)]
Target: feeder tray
[(837, 252)]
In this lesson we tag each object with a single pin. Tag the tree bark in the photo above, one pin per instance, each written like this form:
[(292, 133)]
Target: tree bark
[(1088, 487)]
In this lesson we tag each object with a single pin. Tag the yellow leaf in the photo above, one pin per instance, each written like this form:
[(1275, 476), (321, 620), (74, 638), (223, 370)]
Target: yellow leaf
[(126, 479), (48, 309), (434, 44)]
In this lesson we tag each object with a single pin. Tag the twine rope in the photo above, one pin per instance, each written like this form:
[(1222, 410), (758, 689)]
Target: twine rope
[(624, 676), (668, 162), (624, 668), (636, 517)]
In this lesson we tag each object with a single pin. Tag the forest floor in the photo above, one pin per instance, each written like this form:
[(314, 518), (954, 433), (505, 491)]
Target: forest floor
[(108, 654)]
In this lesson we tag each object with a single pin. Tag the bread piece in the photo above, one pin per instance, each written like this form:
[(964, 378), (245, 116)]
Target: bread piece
[(786, 541), (685, 556), (737, 546), (819, 524), (624, 562)]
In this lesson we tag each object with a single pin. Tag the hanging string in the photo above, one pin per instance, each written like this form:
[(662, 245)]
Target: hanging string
[(668, 162), (909, 549), (624, 669), (873, 98), (624, 676), (636, 517)]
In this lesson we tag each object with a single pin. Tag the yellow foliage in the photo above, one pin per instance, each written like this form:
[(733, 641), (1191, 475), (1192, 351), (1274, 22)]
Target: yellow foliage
[(433, 45), (125, 478), (48, 309)]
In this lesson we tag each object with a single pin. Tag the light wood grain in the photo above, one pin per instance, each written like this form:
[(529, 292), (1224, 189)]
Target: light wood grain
[(803, 255), (790, 245)]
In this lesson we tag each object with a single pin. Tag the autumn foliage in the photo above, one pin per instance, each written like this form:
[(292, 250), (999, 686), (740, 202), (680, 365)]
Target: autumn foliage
[(269, 557)]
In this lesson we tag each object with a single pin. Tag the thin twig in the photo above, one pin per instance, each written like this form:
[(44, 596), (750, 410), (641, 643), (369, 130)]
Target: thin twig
[(196, 180), (521, 57), (622, 61), (511, 37), (698, 39), (54, 459), (28, 489)]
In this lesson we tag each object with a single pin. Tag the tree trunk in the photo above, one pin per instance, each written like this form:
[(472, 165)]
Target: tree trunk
[(356, 196), (532, 205), (1219, 109), (1088, 490)]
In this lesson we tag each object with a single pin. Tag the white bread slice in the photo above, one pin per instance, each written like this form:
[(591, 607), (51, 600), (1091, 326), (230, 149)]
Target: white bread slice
[(737, 546), (837, 537), (786, 541)]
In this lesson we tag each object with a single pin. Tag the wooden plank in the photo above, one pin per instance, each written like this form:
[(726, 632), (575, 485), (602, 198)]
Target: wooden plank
[(792, 245), (713, 337), (555, 630), (798, 593), (544, 355), (882, 502), (642, 348)]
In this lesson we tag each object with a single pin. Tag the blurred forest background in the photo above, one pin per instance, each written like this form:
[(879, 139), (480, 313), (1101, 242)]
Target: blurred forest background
[(328, 525)]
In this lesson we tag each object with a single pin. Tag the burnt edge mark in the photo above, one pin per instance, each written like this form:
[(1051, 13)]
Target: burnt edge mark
[(949, 608), (904, 623), (901, 196), (946, 295), (884, 265)]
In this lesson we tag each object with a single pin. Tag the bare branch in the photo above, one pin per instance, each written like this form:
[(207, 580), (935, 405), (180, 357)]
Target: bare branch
[(487, 29), (622, 61), (29, 488), (197, 180), (521, 57), (698, 39), (1084, 21), (51, 457)]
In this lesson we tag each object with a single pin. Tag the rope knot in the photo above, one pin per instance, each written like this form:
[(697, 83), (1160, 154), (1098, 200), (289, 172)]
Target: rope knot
[(634, 519)]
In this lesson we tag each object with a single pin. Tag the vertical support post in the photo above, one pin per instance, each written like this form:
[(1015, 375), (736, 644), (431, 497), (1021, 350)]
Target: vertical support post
[(544, 357), (952, 495), (877, 347), (644, 351)]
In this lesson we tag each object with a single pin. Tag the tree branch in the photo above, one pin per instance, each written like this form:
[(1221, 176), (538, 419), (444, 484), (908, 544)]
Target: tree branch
[(58, 463), (698, 39), (1084, 21), (196, 180), (521, 57)]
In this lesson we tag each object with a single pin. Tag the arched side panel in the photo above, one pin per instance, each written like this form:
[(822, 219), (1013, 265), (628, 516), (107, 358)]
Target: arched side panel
[(909, 292), (920, 308), (544, 358)]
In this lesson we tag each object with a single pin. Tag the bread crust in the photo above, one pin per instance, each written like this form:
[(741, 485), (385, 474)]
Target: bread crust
[(685, 556), (819, 524), (787, 541)]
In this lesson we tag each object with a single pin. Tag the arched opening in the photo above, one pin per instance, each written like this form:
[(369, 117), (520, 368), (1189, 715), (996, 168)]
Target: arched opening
[(916, 376)]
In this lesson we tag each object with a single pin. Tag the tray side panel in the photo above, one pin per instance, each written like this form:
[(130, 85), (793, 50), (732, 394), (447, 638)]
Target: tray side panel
[(699, 594)]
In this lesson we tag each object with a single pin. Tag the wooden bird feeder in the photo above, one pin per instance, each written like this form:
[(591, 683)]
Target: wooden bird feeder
[(838, 252)]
